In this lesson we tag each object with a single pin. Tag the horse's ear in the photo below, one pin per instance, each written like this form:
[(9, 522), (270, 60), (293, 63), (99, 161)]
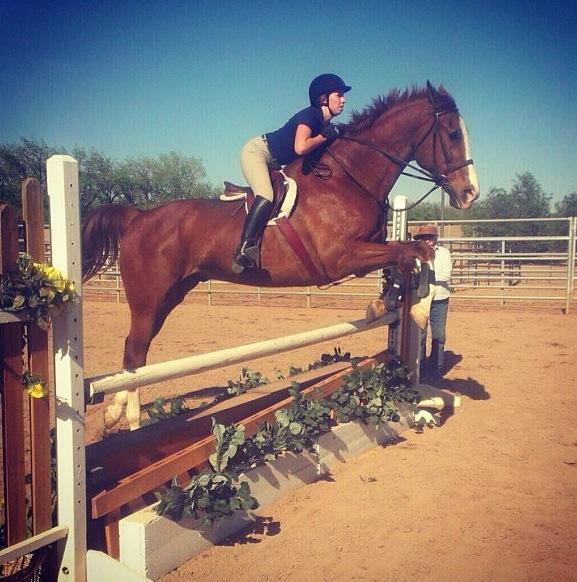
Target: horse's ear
[(432, 91)]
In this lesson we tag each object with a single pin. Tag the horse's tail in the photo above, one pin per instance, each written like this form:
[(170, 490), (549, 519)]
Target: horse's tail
[(101, 234)]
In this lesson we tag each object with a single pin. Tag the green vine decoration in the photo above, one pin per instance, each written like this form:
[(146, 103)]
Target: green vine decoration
[(157, 410), (367, 395), (246, 382), (35, 289), (216, 492), (324, 360)]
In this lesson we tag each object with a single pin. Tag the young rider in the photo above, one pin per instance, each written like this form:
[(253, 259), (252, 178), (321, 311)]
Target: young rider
[(304, 132)]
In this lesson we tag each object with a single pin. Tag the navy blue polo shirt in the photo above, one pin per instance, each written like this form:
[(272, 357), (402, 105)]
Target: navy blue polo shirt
[(281, 142)]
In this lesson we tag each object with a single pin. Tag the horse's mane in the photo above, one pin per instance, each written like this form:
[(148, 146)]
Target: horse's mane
[(361, 120)]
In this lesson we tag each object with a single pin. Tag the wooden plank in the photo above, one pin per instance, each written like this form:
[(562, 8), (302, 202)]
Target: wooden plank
[(111, 534), (8, 317), (158, 473), (32, 544), (118, 456), (33, 214), (12, 395), (8, 237)]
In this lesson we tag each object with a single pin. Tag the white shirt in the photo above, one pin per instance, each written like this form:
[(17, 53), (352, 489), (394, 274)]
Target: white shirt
[(443, 265)]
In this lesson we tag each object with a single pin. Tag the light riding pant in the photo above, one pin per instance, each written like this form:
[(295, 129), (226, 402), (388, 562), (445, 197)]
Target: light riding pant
[(255, 161)]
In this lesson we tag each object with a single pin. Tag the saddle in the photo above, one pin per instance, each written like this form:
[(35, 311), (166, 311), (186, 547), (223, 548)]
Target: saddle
[(282, 186)]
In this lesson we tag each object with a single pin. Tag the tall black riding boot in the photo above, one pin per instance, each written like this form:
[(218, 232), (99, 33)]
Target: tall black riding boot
[(246, 255)]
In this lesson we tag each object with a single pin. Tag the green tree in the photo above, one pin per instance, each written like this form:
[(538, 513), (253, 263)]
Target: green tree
[(526, 199), (143, 181), (424, 211), (26, 159), (567, 206)]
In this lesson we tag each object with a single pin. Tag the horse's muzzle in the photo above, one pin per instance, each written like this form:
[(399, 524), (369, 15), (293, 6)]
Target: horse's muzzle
[(468, 197)]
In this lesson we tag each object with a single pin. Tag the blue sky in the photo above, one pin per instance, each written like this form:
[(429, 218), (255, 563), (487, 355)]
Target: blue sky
[(133, 78)]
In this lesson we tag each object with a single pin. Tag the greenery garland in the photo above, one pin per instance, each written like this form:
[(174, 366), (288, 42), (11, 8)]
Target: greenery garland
[(367, 395), (36, 290)]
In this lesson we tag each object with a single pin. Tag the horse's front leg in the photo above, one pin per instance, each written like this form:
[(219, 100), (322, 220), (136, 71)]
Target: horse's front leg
[(363, 257)]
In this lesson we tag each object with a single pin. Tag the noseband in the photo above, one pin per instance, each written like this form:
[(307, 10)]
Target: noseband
[(439, 180)]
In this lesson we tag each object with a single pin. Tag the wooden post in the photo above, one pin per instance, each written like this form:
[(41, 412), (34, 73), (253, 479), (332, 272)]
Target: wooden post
[(33, 214), (399, 233), (62, 173), (12, 392)]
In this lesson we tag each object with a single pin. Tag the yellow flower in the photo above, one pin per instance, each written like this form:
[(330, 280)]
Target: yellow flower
[(37, 390)]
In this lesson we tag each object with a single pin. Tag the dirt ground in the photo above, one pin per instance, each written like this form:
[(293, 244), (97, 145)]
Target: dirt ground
[(490, 495)]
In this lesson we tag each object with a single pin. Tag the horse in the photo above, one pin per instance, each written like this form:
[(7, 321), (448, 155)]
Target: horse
[(340, 216)]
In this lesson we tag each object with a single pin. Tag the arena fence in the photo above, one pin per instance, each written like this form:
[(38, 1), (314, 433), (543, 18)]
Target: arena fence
[(490, 267)]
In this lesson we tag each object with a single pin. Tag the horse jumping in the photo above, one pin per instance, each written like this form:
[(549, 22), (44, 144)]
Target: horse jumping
[(340, 216)]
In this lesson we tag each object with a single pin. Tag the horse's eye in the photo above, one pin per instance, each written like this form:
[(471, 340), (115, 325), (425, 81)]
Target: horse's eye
[(455, 135)]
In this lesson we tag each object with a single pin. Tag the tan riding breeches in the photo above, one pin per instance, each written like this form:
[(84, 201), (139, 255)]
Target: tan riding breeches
[(255, 161)]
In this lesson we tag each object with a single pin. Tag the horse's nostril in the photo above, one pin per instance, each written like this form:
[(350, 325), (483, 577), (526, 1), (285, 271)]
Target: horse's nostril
[(471, 193)]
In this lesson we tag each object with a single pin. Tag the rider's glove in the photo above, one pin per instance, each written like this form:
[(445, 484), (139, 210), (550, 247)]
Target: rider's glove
[(330, 132)]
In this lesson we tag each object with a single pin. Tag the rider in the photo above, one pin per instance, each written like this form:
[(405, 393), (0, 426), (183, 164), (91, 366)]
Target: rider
[(304, 132)]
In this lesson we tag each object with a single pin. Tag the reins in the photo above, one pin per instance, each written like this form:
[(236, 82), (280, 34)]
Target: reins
[(439, 180)]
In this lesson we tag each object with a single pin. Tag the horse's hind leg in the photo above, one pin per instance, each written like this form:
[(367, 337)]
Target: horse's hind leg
[(146, 321)]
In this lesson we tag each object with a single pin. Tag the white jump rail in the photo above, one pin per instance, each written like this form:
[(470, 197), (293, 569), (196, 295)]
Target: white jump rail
[(130, 379)]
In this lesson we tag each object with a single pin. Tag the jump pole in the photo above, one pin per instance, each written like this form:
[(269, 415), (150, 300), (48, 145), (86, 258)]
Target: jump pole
[(130, 379)]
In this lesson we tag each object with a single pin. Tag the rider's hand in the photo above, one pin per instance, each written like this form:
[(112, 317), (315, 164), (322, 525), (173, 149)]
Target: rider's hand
[(330, 132)]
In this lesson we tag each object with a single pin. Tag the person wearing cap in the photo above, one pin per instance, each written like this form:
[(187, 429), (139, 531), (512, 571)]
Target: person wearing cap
[(443, 266), (303, 133)]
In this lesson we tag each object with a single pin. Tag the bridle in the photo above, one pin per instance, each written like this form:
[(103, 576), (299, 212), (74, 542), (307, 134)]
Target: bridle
[(439, 180)]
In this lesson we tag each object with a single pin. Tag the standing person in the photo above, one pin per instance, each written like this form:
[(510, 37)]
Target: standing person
[(443, 266), (306, 131)]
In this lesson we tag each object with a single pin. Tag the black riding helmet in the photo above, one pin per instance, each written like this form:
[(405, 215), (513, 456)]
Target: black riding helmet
[(325, 84)]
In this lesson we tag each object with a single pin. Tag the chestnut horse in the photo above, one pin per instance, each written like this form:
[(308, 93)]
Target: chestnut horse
[(340, 216)]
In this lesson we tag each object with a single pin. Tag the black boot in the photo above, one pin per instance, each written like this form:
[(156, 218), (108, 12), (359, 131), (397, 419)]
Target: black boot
[(246, 255)]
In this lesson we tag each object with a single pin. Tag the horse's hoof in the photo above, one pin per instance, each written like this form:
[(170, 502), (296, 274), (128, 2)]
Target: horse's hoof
[(420, 316), (112, 416), (375, 310), (237, 268), (423, 287)]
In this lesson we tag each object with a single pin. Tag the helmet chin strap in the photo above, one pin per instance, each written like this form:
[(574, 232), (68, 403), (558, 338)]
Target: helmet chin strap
[(326, 104)]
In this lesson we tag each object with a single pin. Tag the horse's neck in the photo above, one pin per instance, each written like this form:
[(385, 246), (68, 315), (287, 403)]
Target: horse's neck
[(395, 133)]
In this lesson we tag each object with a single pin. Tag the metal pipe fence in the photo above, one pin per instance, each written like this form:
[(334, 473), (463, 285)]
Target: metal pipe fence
[(496, 269)]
